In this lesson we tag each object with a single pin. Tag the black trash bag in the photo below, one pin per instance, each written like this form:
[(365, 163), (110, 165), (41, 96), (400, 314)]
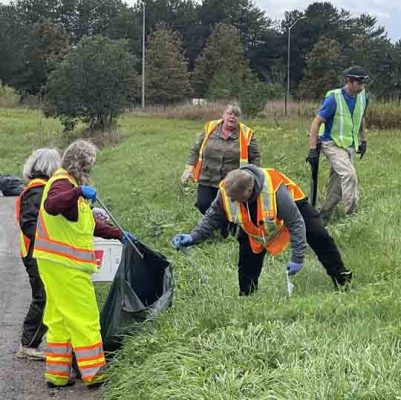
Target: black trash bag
[(11, 185), (141, 289)]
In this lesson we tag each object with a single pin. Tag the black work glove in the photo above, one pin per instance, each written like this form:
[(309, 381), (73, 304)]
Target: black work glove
[(312, 159), (362, 148)]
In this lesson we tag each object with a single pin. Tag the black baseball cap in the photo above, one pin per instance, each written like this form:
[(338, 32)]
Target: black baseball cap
[(356, 73)]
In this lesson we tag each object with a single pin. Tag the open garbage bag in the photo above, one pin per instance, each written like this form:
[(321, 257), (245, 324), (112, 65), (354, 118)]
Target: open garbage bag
[(11, 185), (141, 289)]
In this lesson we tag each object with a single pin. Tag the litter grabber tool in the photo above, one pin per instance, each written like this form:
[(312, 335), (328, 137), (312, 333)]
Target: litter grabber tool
[(314, 176), (290, 285), (119, 226)]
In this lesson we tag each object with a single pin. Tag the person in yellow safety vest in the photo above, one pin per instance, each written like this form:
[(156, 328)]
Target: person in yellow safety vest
[(224, 144), (66, 259), (271, 211), (343, 115), (38, 168)]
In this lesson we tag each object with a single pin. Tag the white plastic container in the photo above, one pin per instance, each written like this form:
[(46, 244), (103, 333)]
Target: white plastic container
[(108, 257)]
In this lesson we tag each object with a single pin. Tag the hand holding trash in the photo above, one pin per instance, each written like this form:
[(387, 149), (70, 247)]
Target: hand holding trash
[(182, 240), (187, 174), (88, 192), (293, 268), (127, 236)]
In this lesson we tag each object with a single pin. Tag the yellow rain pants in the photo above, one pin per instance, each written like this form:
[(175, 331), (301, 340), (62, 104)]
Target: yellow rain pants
[(72, 317)]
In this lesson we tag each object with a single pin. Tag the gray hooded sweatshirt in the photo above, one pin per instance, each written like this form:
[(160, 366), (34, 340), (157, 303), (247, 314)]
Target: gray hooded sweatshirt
[(286, 210)]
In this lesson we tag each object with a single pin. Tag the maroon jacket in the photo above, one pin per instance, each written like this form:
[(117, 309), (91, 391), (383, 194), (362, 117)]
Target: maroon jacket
[(62, 198)]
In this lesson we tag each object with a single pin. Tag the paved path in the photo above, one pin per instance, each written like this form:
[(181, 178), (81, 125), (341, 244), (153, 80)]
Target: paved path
[(21, 379)]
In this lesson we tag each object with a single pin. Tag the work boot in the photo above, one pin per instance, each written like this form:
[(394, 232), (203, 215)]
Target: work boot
[(30, 353), (52, 385), (342, 279), (97, 381)]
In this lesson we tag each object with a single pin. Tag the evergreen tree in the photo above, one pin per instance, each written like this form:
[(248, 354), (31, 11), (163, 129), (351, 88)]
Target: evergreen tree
[(324, 68), (223, 54), (167, 78)]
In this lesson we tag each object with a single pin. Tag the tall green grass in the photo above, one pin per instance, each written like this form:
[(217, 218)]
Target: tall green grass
[(212, 344)]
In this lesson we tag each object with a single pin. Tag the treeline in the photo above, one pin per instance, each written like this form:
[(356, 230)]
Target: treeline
[(215, 49)]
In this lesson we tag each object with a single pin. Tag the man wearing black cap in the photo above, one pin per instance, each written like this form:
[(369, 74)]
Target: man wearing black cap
[(343, 115)]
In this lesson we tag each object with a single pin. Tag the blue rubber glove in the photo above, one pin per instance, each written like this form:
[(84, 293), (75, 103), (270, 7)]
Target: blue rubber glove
[(294, 268), (88, 192), (182, 240), (126, 235)]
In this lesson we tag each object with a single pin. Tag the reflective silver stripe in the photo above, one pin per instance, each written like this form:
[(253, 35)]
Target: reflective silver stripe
[(43, 244), (39, 227), (58, 367), (339, 102), (87, 373), (67, 349), (98, 352)]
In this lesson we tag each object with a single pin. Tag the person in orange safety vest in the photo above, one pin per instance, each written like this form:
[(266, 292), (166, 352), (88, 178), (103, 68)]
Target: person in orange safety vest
[(270, 211), (38, 168)]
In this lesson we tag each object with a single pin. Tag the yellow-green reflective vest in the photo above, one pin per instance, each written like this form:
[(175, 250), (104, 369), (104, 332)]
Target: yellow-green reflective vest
[(62, 241), (345, 128)]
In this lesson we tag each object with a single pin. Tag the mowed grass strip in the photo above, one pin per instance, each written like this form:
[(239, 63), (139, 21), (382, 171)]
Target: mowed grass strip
[(212, 344)]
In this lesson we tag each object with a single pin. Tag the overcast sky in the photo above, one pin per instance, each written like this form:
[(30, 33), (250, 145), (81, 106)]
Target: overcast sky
[(387, 12)]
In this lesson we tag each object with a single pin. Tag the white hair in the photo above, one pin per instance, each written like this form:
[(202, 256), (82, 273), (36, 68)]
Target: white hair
[(79, 158), (42, 163), (235, 108)]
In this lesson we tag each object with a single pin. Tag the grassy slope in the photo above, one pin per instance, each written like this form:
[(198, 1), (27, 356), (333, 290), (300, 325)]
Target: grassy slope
[(214, 345)]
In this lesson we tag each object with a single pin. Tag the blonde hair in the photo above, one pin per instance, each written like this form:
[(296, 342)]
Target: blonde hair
[(79, 158), (41, 163), (237, 182)]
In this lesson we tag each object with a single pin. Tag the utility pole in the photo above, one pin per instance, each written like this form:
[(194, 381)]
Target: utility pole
[(287, 95), (143, 53)]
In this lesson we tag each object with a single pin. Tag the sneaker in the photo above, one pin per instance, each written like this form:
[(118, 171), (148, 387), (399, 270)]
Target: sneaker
[(31, 353), (342, 279)]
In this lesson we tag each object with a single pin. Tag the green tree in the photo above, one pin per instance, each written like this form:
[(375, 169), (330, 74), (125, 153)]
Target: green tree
[(324, 67), (93, 83), (223, 53), (46, 45), (167, 78)]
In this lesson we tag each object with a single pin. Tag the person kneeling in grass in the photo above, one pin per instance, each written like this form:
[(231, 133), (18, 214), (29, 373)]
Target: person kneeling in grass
[(271, 211)]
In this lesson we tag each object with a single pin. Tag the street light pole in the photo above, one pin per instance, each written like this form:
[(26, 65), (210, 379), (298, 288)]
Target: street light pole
[(287, 95), (143, 53)]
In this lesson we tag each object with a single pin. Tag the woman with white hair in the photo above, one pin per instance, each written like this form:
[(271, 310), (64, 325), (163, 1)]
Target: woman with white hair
[(224, 145), (66, 259), (37, 170)]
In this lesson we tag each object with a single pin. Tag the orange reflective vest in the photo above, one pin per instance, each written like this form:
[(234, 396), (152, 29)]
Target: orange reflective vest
[(270, 232), (62, 241), (245, 136), (25, 242)]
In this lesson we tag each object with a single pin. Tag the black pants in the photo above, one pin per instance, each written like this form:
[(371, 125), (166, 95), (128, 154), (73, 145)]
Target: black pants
[(33, 328), (205, 197), (250, 264)]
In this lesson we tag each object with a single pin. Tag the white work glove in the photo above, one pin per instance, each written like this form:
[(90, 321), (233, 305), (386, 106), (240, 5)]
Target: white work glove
[(187, 174)]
